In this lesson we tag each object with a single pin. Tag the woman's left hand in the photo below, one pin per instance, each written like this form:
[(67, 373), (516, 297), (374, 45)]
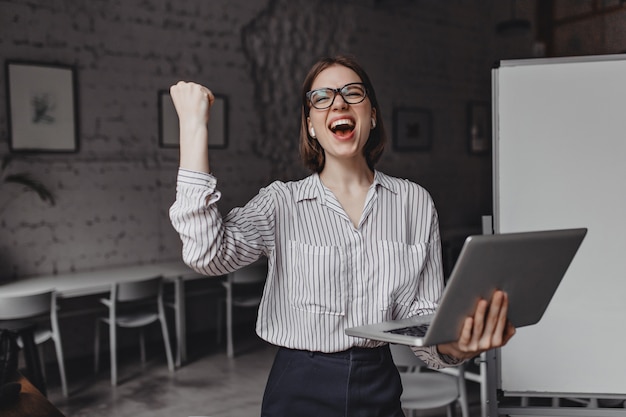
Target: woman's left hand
[(487, 329)]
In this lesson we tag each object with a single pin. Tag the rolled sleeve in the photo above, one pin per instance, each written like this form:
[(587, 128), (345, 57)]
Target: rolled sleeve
[(193, 186), (433, 359)]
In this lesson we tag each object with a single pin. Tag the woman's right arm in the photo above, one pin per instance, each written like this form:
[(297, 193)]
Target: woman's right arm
[(211, 245), (193, 103)]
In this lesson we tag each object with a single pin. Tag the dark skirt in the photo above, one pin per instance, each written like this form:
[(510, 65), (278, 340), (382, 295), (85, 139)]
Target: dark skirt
[(358, 382)]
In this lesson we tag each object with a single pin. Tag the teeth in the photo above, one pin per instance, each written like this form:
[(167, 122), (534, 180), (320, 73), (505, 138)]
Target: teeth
[(341, 122)]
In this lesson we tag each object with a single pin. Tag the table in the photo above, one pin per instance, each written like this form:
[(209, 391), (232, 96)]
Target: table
[(84, 283), (31, 402)]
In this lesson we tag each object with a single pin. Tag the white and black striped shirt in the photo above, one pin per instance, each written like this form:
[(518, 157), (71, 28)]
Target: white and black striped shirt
[(324, 274)]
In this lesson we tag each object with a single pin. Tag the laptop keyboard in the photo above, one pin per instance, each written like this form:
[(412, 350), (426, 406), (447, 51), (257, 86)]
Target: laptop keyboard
[(418, 331)]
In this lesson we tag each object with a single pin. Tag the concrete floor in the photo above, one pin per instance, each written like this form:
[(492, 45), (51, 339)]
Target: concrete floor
[(210, 384)]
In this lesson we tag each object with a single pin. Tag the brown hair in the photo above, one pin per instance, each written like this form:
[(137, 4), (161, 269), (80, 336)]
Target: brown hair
[(311, 152)]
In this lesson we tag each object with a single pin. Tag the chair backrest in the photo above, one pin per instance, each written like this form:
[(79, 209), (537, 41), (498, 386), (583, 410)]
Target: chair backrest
[(137, 290), (403, 356), (25, 306)]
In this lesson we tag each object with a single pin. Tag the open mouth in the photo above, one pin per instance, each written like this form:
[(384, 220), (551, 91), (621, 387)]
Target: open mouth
[(342, 127)]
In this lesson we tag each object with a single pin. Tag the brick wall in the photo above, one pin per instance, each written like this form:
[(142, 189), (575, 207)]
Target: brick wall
[(113, 194)]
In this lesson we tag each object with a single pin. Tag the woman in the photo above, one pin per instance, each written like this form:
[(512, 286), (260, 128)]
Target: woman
[(346, 246)]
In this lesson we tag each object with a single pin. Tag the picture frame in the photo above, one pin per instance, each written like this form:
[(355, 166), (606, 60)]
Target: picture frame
[(479, 127), (42, 107), (168, 122), (412, 129)]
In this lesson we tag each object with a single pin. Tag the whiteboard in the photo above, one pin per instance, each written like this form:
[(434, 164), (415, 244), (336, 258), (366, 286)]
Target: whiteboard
[(560, 162)]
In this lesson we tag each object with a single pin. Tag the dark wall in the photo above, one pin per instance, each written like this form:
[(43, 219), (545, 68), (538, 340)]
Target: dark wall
[(113, 194)]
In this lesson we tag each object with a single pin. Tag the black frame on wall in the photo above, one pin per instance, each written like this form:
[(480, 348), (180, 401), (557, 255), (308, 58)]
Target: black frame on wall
[(412, 129), (168, 122), (478, 127), (42, 109)]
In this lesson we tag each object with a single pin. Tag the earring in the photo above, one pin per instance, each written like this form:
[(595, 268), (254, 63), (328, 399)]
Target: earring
[(312, 131), (373, 123)]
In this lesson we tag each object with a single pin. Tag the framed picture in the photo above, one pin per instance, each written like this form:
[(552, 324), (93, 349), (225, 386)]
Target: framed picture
[(168, 122), (479, 127), (412, 129), (42, 110)]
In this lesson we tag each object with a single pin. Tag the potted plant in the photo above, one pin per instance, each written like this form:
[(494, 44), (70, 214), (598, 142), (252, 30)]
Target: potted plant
[(24, 179)]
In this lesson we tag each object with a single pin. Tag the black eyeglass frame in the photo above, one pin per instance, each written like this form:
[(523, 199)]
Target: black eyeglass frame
[(335, 92)]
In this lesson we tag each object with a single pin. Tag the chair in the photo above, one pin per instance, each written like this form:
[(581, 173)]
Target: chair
[(244, 289), (427, 389), (134, 304), (40, 308)]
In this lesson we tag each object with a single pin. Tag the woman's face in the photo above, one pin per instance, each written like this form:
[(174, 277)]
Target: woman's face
[(342, 129)]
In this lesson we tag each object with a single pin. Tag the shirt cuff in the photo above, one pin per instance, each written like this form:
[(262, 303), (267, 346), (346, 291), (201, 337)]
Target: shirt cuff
[(190, 177), (198, 182), (433, 359)]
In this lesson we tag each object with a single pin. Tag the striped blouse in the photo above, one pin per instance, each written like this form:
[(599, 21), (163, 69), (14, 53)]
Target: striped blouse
[(324, 274)]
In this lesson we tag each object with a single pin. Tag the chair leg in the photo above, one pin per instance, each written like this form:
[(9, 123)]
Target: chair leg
[(58, 345), (450, 410), (463, 400), (32, 361), (59, 350), (142, 346), (166, 338), (218, 319), (230, 349), (42, 362), (113, 349), (180, 323), (96, 365)]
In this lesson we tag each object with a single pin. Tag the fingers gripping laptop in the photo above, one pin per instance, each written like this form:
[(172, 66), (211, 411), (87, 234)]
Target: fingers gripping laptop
[(528, 266)]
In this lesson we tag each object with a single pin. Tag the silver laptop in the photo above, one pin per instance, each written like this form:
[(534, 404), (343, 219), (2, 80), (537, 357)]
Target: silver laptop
[(528, 266)]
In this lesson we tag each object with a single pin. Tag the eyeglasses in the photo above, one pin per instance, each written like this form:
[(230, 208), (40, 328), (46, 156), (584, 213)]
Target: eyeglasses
[(323, 98)]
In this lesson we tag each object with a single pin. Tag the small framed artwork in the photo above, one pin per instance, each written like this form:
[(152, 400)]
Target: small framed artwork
[(412, 129), (479, 127), (42, 110), (168, 122)]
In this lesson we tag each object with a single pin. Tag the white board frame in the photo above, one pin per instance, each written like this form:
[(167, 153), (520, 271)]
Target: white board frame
[(559, 151)]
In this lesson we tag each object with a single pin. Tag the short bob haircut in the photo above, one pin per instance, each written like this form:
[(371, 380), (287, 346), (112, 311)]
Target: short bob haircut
[(311, 152)]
